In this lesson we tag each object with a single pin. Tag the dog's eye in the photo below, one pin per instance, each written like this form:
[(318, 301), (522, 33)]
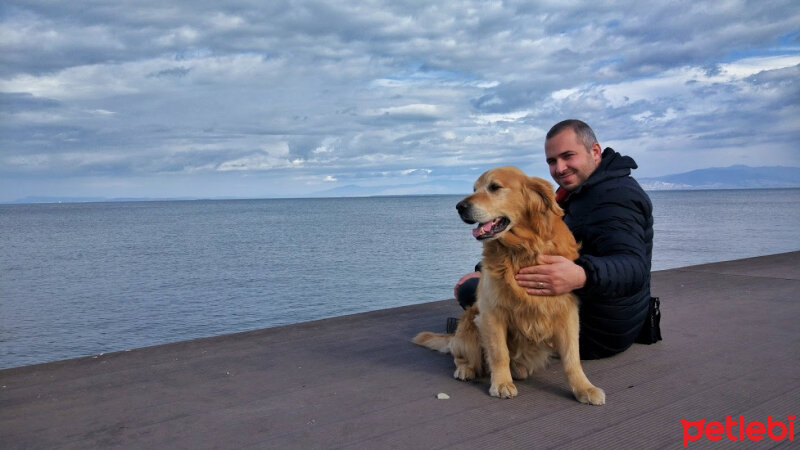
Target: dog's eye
[(494, 187)]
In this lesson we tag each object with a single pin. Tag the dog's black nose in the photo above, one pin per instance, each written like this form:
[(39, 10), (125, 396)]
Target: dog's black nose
[(462, 207)]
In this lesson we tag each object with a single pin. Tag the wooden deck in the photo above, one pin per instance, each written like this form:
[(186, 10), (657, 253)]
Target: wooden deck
[(731, 347)]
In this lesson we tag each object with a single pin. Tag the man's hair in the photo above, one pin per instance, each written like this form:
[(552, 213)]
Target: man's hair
[(581, 129)]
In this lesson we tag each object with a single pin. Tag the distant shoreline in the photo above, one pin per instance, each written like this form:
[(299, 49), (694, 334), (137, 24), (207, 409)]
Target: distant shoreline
[(80, 200)]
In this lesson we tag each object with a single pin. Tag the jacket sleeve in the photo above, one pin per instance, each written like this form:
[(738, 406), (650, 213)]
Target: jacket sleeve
[(618, 241)]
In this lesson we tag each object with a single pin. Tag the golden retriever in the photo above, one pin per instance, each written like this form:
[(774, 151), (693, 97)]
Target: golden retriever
[(513, 332)]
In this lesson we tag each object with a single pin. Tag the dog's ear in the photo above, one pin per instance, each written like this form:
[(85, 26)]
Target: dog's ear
[(544, 190)]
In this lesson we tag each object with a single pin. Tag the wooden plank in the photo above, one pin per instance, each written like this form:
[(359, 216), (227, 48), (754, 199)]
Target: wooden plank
[(730, 345)]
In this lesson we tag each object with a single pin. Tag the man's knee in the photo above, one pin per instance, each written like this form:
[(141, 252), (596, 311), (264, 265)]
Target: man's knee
[(466, 293)]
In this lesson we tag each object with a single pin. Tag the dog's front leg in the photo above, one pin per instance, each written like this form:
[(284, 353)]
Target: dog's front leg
[(566, 340), (494, 340)]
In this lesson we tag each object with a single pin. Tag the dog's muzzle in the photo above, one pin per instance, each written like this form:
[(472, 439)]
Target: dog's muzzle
[(484, 230)]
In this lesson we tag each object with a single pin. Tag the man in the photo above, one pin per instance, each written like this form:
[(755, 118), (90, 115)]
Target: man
[(611, 217)]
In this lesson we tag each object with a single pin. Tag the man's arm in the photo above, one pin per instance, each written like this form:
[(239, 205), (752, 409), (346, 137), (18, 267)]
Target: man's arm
[(615, 259)]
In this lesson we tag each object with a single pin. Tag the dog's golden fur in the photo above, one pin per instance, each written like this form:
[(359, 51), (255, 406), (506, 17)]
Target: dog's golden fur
[(508, 332)]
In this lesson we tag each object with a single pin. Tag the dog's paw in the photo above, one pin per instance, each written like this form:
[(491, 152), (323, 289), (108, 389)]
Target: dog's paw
[(464, 373), (519, 371), (592, 396), (503, 390)]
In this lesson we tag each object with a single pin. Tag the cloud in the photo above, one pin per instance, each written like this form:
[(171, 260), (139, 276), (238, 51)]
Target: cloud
[(285, 94)]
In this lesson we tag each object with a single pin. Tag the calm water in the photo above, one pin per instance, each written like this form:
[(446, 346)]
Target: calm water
[(81, 279)]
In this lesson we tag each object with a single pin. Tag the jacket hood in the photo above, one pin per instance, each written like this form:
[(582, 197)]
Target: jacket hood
[(612, 165)]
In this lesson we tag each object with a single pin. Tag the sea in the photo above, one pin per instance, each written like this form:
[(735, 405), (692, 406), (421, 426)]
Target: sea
[(83, 279)]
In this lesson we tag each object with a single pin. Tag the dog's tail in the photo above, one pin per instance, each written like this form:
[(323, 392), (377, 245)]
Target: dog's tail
[(434, 341)]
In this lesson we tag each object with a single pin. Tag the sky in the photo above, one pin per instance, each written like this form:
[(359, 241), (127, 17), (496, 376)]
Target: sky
[(255, 99)]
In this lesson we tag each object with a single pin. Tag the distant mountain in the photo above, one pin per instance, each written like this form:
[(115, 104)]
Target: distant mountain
[(733, 177)]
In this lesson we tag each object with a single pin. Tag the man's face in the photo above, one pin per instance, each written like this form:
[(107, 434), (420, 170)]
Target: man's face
[(569, 160)]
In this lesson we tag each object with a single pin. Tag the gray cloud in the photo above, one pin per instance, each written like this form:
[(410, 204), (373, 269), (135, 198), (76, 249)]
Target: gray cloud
[(308, 94)]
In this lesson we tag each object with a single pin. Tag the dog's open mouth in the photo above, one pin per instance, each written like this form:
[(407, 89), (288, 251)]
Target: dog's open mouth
[(489, 229)]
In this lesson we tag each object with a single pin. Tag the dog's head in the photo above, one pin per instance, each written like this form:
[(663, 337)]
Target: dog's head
[(506, 198)]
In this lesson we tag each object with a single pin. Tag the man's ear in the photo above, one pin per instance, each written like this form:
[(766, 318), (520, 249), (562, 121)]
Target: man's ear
[(596, 152), (544, 190)]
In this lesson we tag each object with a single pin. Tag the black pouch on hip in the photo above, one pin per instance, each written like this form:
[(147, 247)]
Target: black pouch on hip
[(651, 331)]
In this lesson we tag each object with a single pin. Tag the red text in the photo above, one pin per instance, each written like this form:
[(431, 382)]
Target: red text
[(738, 430)]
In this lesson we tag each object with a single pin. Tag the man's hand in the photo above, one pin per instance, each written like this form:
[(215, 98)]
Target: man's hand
[(555, 275)]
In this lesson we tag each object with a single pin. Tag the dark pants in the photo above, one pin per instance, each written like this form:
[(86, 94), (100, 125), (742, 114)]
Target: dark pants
[(588, 348)]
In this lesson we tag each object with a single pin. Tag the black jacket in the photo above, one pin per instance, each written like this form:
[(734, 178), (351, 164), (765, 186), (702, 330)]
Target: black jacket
[(612, 218)]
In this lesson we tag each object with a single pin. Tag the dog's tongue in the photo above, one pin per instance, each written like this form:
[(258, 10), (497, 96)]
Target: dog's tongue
[(483, 228)]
